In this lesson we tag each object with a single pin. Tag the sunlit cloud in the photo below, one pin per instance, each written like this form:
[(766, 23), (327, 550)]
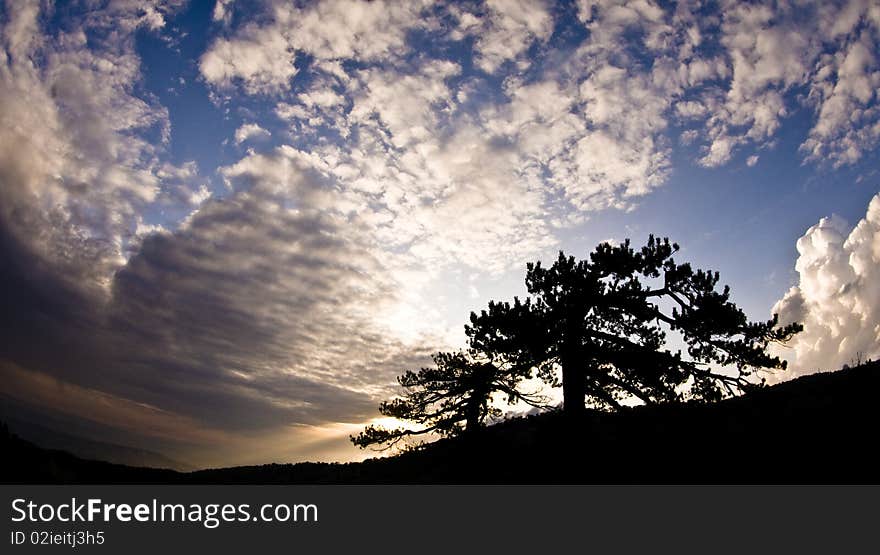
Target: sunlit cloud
[(837, 296)]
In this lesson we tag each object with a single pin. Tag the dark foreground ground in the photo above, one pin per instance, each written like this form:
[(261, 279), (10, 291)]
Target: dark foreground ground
[(816, 429)]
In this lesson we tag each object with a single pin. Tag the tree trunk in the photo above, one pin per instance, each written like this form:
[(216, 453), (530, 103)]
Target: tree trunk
[(573, 388), (574, 385), (472, 414)]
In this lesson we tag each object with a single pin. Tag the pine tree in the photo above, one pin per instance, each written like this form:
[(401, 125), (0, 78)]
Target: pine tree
[(604, 323), (451, 398)]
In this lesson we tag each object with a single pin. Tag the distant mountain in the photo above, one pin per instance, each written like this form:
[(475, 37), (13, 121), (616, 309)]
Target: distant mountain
[(25, 463), (48, 438), (816, 429)]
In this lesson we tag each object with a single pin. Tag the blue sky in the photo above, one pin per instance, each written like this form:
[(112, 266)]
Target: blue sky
[(243, 219)]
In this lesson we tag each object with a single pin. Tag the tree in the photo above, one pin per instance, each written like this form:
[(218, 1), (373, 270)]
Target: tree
[(604, 322), (453, 397)]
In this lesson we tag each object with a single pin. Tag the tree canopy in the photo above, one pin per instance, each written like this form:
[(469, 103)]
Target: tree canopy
[(604, 324)]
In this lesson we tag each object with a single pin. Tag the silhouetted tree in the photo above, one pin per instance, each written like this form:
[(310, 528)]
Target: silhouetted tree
[(604, 321), (451, 398)]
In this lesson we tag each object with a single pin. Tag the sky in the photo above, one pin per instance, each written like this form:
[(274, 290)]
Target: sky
[(226, 227)]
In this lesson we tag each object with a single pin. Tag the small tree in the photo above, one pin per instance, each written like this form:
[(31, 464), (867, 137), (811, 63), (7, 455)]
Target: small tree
[(451, 398), (604, 324)]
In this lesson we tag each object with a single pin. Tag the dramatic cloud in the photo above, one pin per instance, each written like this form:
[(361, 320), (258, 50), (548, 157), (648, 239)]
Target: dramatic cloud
[(263, 311), (261, 303), (285, 332), (247, 228), (79, 140), (837, 297)]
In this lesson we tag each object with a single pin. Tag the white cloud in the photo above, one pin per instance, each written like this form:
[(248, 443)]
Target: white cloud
[(689, 136), (837, 297), (621, 153), (260, 58), (222, 11), (774, 50), (691, 109), (593, 122), (510, 27), (609, 19), (199, 196), (428, 178), (365, 31), (250, 131), (286, 111), (848, 125), (405, 104)]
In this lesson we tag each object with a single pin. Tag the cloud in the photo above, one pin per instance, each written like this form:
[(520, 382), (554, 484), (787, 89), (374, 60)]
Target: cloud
[(618, 152), (837, 297), (262, 57), (848, 125), (732, 75), (263, 311), (284, 333), (222, 11), (250, 131), (507, 31), (76, 401), (433, 187), (259, 311), (773, 50), (80, 143), (405, 103), (595, 148)]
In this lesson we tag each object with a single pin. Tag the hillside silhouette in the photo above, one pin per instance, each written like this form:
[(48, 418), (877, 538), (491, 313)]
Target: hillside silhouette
[(815, 429)]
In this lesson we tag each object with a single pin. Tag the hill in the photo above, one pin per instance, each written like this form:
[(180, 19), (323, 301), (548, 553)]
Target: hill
[(816, 429), (85, 448)]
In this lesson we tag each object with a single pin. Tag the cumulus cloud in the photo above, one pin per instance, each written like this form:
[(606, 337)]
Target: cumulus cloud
[(837, 297), (619, 152), (222, 11), (587, 132), (432, 199)]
